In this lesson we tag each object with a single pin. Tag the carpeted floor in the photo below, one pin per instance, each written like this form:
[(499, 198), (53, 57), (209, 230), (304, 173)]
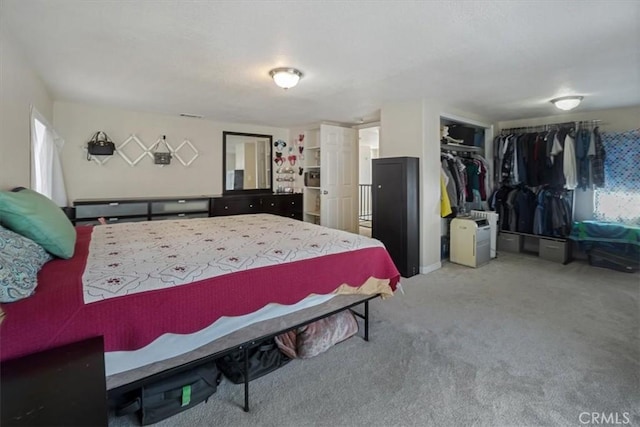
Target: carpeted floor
[(518, 342)]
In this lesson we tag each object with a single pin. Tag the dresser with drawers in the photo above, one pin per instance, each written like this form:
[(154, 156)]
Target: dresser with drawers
[(89, 211)]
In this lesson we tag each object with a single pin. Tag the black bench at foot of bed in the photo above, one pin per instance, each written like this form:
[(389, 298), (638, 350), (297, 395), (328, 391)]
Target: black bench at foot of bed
[(245, 339)]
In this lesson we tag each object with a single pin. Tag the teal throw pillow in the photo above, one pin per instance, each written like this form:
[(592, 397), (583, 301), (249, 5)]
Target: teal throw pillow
[(36, 217), (20, 261)]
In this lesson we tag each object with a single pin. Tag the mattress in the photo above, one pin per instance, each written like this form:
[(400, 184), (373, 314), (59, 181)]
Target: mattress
[(305, 260)]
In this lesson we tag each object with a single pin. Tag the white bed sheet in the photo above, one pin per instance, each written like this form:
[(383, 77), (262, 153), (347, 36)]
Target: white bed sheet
[(171, 345)]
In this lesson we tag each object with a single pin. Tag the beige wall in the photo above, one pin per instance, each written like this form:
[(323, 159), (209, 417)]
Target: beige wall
[(401, 127), (612, 120), (412, 128), (20, 88), (76, 123), (431, 220)]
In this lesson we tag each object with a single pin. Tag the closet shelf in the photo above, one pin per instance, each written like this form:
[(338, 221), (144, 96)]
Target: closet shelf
[(465, 148)]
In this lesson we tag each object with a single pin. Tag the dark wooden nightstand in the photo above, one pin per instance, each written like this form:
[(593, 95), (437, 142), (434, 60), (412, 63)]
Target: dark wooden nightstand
[(64, 386)]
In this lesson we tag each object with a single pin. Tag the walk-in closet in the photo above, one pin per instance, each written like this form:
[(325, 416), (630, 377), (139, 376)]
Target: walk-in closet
[(538, 170)]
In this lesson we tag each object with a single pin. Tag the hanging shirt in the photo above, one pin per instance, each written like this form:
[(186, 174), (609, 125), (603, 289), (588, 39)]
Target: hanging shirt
[(506, 168), (592, 146), (557, 168), (570, 168), (583, 142), (445, 204), (450, 184), (515, 173), (597, 163), (462, 190), (473, 176), (556, 148)]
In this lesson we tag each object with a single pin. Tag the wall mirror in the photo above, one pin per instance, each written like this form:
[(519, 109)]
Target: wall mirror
[(246, 159)]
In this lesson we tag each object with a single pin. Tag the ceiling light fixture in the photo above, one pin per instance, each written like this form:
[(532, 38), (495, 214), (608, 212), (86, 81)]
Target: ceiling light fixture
[(567, 103), (285, 77)]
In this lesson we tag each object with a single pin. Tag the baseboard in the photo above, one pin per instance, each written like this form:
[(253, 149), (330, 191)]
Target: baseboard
[(433, 267)]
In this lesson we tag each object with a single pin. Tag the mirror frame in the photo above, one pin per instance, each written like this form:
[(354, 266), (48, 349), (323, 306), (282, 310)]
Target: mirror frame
[(268, 190)]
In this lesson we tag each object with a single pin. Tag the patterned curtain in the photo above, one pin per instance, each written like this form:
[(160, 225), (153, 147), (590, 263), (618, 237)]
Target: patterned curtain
[(619, 200)]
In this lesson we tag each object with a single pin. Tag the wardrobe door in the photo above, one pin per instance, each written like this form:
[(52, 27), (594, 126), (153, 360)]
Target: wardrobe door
[(395, 210)]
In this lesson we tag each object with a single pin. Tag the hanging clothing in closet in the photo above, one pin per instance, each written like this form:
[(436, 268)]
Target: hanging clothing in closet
[(467, 181), (445, 203), (546, 212), (562, 157), (597, 155)]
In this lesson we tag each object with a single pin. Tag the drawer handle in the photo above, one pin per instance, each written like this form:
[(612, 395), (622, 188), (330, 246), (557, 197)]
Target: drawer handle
[(182, 201), (250, 206), (551, 247), (226, 207), (273, 204), (113, 219), (114, 204), (293, 203), (182, 214)]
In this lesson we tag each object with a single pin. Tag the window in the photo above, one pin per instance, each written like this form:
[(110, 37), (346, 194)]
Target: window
[(41, 181), (46, 168), (619, 200)]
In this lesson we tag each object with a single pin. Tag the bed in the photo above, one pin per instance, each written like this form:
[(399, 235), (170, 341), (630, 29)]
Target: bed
[(158, 290)]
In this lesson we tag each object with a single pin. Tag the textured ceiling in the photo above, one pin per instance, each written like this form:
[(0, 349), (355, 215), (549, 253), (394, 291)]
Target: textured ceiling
[(503, 60)]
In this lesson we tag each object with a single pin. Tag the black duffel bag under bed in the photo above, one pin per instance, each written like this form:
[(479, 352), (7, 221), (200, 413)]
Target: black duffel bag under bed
[(174, 394), (263, 358)]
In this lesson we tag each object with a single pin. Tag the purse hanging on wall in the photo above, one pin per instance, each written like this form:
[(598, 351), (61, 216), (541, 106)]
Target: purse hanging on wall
[(162, 157), (100, 145)]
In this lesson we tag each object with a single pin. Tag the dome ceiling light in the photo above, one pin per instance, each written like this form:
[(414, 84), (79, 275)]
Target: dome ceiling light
[(567, 103), (285, 77)]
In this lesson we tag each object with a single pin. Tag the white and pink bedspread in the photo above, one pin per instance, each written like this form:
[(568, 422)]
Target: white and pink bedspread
[(125, 259), (132, 283)]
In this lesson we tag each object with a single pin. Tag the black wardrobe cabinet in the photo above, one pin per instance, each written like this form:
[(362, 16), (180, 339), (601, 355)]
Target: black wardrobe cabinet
[(395, 209)]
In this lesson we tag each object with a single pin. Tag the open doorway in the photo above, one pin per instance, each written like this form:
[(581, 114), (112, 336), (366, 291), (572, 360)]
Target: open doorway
[(368, 146)]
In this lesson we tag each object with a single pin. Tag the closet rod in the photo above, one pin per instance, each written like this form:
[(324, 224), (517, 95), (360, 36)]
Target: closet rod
[(548, 126)]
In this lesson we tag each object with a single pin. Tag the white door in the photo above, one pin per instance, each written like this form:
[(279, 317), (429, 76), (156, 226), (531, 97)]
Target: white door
[(339, 178)]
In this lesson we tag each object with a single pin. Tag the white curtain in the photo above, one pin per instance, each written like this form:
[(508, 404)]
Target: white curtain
[(46, 167)]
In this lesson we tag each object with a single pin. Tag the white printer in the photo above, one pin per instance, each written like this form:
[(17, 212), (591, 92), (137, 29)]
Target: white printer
[(470, 241)]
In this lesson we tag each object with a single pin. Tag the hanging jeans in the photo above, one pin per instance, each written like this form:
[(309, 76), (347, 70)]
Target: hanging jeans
[(583, 139)]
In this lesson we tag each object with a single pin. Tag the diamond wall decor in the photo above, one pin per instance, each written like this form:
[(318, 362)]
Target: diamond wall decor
[(132, 150), (122, 148), (189, 146)]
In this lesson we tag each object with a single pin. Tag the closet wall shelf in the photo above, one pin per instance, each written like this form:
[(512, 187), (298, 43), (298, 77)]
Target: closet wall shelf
[(465, 148)]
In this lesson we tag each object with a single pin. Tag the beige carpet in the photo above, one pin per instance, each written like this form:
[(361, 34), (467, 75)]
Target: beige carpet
[(518, 342)]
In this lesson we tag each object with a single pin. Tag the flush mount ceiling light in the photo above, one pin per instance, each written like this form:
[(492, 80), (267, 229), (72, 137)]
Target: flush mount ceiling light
[(285, 77), (567, 103)]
